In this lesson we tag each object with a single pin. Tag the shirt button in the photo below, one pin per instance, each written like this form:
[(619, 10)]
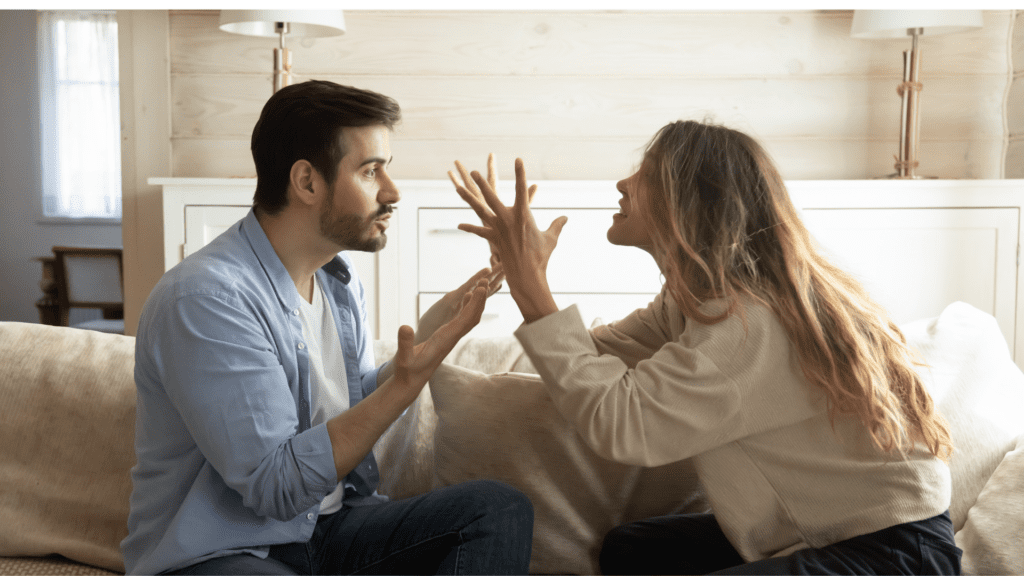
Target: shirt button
[(295, 312), (309, 516), (301, 345)]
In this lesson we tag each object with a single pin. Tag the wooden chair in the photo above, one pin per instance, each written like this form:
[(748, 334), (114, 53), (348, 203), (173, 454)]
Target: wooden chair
[(90, 278)]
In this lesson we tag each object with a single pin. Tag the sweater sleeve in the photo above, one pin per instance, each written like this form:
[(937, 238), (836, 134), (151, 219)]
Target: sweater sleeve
[(670, 406), (637, 336)]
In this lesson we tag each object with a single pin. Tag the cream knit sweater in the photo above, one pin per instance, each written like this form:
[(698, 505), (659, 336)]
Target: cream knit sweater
[(654, 388)]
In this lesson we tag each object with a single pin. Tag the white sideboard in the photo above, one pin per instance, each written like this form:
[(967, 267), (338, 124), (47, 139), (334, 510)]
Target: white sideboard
[(916, 244)]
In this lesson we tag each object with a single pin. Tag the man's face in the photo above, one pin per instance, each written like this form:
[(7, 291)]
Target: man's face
[(357, 207)]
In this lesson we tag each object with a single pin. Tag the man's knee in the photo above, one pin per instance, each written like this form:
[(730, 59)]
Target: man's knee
[(498, 501)]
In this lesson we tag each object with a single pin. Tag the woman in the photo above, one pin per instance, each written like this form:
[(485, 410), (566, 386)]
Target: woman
[(819, 449)]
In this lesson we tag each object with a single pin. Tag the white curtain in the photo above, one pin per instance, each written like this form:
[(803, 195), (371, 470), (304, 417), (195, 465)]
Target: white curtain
[(80, 114)]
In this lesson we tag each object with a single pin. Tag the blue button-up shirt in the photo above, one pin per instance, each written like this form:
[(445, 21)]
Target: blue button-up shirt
[(227, 459)]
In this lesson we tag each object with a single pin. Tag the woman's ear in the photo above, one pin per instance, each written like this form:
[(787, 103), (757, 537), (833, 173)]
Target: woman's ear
[(301, 182)]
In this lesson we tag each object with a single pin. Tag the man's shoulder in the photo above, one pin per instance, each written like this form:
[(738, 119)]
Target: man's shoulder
[(226, 266)]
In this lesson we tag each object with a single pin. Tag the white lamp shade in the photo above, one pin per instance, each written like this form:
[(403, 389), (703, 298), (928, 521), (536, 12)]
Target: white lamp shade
[(871, 24), (312, 23)]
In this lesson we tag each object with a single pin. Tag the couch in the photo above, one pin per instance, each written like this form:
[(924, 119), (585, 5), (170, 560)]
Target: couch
[(66, 447)]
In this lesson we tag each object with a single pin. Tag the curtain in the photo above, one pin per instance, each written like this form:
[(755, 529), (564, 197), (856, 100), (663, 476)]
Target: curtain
[(80, 114)]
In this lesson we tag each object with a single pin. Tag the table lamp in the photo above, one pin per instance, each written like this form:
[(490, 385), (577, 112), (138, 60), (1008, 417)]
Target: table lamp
[(875, 24), (282, 23)]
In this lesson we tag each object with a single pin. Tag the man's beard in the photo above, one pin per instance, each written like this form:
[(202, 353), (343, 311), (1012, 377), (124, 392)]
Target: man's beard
[(354, 232)]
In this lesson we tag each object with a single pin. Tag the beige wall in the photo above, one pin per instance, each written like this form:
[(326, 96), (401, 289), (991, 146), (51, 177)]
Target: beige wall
[(1015, 102), (576, 94)]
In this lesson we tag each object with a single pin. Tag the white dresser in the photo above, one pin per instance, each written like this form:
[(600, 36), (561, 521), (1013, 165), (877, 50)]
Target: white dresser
[(917, 245)]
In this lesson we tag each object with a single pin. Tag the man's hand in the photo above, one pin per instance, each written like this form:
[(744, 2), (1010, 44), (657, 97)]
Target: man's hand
[(415, 363), (451, 304), (354, 432)]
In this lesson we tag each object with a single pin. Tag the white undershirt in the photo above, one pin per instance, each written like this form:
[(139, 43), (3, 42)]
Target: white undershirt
[(328, 385)]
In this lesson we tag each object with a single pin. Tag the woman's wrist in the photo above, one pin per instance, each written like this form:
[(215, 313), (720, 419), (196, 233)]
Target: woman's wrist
[(533, 298)]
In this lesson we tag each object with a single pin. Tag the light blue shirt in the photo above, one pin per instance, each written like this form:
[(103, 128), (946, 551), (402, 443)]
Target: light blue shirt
[(227, 461)]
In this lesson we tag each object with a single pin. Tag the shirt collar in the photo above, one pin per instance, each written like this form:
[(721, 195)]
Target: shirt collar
[(279, 278)]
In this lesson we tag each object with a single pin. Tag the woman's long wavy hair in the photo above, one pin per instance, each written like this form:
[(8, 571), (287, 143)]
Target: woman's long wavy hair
[(726, 228)]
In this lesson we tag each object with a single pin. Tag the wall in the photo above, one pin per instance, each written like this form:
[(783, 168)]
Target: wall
[(577, 94), (1015, 102), (22, 236)]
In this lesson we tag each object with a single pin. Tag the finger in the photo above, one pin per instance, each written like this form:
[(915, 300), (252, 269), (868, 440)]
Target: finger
[(532, 192), (522, 194), (464, 172), (486, 233), (403, 358), (484, 274), (489, 194), (448, 335), (557, 225), (492, 171), (475, 202)]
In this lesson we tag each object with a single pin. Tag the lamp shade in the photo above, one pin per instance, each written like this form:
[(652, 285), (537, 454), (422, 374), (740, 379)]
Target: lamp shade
[(310, 23), (871, 24)]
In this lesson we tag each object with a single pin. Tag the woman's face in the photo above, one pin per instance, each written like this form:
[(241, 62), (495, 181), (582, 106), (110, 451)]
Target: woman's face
[(632, 225)]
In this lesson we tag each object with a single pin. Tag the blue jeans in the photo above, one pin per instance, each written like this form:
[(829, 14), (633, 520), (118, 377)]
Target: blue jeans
[(477, 527), (695, 544)]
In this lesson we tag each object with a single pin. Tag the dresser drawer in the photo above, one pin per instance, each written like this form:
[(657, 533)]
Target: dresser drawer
[(501, 316), (583, 262)]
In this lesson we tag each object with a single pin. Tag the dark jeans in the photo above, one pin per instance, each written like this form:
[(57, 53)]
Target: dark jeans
[(478, 527), (694, 544)]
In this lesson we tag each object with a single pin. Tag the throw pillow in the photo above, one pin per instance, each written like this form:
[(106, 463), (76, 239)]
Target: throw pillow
[(991, 536), (977, 387), (505, 427)]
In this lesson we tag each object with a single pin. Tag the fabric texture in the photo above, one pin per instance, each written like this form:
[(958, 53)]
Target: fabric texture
[(504, 427), (779, 474), (977, 387), (991, 536), (67, 419), (233, 463)]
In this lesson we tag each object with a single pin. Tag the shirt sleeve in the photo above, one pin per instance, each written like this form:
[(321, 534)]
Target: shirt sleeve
[(220, 368)]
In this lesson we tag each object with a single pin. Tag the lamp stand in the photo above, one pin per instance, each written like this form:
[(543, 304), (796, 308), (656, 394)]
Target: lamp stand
[(282, 59), (909, 91)]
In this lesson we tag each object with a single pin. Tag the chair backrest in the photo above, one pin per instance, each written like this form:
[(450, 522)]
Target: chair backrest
[(89, 278)]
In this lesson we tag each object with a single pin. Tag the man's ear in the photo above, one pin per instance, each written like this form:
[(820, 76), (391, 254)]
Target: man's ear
[(301, 182)]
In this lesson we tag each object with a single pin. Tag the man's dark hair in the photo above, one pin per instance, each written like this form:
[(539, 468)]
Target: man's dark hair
[(304, 122)]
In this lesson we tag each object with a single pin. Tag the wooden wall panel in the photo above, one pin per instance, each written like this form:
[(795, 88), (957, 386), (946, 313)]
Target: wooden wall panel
[(589, 159), (578, 93), (627, 44)]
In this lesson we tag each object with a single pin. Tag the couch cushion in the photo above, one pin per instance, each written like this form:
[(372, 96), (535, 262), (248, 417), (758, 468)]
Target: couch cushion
[(977, 387), (505, 427), (991, 536), (67, 421)]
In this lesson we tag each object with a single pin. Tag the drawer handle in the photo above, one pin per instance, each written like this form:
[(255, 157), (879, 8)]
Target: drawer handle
[(489, 317), (447, 231)]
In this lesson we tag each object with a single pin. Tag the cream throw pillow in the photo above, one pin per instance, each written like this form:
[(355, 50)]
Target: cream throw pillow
[(504, 427), (977, 387), (991, 537)]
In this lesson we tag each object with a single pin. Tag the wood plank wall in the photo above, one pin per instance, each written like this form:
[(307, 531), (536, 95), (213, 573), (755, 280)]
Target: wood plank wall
[(1015, 102), (577, 94)]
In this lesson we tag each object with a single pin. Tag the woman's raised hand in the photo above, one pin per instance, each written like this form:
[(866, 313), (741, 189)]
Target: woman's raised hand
[(523, 249)]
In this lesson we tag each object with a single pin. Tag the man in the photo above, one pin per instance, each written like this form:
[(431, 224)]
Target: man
[(258, 399)]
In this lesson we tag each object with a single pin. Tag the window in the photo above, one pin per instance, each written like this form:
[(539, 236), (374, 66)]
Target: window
[(80, 114)]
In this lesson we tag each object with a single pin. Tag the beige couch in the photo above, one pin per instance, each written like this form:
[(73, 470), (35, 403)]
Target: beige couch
[(66, 432)]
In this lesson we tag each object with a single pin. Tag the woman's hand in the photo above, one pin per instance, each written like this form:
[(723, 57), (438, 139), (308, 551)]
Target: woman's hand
[(452, 303), (522, 248)]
